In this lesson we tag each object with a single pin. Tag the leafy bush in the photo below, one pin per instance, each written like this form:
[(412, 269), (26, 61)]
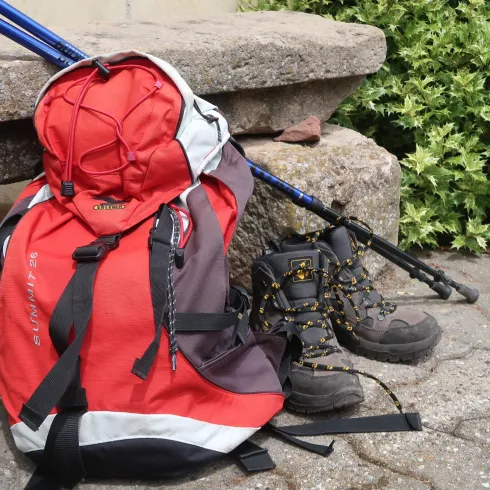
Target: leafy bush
[(430, 106)]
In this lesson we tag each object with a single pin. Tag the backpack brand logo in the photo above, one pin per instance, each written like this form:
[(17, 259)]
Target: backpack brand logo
[(302, 274), (109, 204)]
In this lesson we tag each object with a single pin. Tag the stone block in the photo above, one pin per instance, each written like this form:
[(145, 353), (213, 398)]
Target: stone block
[(271, 110), (345, 170), (217, 54), (20, 151)]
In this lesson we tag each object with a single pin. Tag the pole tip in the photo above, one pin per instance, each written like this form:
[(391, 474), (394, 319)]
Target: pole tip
[(470, 294)]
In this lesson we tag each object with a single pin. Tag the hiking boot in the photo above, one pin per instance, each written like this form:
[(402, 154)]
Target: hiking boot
[(290, 295), (379, 329)]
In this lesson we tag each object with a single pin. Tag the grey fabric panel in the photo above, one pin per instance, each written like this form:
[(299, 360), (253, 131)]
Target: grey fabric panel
[(19, 207), (202, 287), (234, 172), (243, 369), (6, 228), (202, 284)]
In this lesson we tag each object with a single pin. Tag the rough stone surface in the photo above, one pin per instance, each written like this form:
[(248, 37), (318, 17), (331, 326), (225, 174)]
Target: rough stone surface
[(345, 170), (222, 53), (450, 388), (307, 131), (271, 110), (20, 152)]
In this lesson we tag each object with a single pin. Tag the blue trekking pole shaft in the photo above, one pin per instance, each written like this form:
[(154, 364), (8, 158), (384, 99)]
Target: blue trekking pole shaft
[(417, 269), (34, 45), (48, 37)]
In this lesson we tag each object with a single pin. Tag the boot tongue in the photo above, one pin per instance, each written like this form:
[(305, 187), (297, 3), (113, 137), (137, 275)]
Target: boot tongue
[(303, 285), (345, 246)]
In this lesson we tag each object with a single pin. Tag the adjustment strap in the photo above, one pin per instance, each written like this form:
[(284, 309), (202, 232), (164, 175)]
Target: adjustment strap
[(160, 243), (80, 292), (62, 456), (253, 457), (313, 448), (397, 422), (204, 322)]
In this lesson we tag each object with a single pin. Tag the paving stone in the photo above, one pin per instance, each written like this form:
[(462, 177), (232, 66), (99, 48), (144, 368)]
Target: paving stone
[(441, 460), (477, 429)]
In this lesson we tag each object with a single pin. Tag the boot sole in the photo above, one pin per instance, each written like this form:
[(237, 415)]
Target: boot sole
[(394, 352), (346, 397)]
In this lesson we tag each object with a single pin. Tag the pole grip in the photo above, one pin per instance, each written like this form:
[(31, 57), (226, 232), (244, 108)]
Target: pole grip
[(470, 294)]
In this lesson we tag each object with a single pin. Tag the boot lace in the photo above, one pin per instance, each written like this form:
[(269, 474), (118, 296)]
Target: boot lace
[(292, 313), (324, 307), (358, 283)]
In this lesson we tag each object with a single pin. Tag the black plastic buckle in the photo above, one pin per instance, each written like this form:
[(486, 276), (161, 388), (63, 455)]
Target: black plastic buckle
[(97, 250), (152, 239), (104, 72)]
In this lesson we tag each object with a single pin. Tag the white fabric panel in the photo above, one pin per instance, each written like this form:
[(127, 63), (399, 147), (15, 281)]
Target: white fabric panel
[(5, 245), (103, 427), (39, 176), (42, 195), (212, 164), (200, 140)]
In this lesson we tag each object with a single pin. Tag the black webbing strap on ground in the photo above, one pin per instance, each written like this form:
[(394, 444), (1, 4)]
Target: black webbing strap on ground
[(397, 422), (253, 457), (160, 243), (314, 448), (62, 462), (42, 480)]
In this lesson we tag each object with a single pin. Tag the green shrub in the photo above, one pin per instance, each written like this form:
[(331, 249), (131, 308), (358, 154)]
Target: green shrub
[(430, 106)]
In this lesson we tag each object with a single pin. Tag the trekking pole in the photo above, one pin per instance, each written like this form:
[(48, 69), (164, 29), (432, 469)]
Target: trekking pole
[(441, 282), (39, 31), (34, 45), (49, 40)]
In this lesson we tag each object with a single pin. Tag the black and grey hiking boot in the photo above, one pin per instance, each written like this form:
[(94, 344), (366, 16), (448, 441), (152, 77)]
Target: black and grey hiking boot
[(290, 294), (363, 321)]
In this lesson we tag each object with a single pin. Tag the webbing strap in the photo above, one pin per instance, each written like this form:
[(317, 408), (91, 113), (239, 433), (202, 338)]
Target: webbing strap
[(397, 422), (62, 462), (253, 457), (59, 378), (309, 446), (199, 322), (62, 456), (161, 244)]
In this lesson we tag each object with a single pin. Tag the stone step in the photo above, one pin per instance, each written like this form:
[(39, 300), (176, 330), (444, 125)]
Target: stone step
[(219, 54)]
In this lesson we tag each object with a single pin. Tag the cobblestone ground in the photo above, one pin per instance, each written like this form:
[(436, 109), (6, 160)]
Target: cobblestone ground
[(450, 388)]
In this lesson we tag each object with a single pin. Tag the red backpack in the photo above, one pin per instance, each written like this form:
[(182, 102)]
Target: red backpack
[(123, 351)]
